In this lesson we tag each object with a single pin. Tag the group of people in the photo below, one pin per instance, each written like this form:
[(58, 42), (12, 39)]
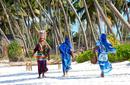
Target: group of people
[(103, 47)]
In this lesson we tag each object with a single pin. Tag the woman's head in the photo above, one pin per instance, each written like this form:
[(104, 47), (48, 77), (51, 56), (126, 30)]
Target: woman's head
[(104, 41), (42, 40), (103, 37), (67, 41)]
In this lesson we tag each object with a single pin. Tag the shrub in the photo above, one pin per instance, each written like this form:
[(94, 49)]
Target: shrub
[(122, 53), (15, 51), (113, 40), (85, 56)]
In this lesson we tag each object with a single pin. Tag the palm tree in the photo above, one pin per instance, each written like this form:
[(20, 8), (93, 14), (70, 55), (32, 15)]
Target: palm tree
[(103, 15), (59, 15), (65, 19), (117, 13), (7, 16), (89, 20), (83, 30), (127, 10), (2, 33)]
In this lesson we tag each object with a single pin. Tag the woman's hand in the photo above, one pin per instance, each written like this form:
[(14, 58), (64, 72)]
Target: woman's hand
[(73, 59)]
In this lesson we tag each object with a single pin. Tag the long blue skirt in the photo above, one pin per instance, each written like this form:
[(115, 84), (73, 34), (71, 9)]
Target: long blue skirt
[(104, 63)]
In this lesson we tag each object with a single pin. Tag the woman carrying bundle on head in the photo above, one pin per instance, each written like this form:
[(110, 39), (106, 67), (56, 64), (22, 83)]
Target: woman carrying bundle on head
[(42, 54)]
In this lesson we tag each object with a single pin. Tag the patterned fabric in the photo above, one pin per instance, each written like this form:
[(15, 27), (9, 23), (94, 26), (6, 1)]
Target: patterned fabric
[(65, 50), (104, 47), (45, 51), (41, 57)]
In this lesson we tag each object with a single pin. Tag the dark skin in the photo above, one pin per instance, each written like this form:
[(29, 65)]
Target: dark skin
[(72, 54)]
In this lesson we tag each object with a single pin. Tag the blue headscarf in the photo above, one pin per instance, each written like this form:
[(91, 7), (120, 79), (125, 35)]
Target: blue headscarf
[(65, 46), (67, 41), (104, 41)]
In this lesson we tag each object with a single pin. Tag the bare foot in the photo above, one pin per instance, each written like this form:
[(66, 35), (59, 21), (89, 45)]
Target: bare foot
[(67, 74), (43, 76), (39, 77), (102, 75), (63, 75)]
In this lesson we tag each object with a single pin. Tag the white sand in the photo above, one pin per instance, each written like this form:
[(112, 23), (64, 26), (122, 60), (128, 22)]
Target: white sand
[(80, 74)]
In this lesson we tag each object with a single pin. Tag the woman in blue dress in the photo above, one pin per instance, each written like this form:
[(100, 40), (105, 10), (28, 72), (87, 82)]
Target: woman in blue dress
[(66, 53), (103, 47)]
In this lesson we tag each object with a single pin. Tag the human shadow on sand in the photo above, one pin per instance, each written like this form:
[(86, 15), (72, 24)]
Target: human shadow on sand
[(72, 77), (51, 72)]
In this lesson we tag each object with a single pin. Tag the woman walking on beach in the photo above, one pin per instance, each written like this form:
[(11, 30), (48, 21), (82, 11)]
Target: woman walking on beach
[(103, 47), (66, 53), (42, 54)]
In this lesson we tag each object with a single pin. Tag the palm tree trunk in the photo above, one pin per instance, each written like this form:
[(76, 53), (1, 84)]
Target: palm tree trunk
[(28, 28), (89, 20), (56, 42), (85, 38), (29, 5), (56, 29), (4, 36), (117, 27), (19, 31), (58, 26), (117, 13), (127, 11), (98, 17), (31, 39), (43, 10), (79, 33), (23, 26), (103, 15), (65, 19), (53, 22), (7, 16)]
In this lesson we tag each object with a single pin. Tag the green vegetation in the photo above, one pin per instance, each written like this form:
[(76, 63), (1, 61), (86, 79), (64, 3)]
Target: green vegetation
[(122, 54), (15, 52), (85, 56)]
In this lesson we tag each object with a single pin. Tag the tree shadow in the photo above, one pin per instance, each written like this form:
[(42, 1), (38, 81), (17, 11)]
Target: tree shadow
[(73, 77), (128, 64), (17, 80), (18, 74), (72, 71), (124, 74)]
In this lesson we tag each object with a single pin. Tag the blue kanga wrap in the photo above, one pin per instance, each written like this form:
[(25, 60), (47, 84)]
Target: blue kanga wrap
[(104, 47), (65, 50)]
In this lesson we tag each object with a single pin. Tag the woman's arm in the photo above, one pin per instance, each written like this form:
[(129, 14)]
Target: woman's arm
[(72, 54), (35, 49), (94, 50)]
